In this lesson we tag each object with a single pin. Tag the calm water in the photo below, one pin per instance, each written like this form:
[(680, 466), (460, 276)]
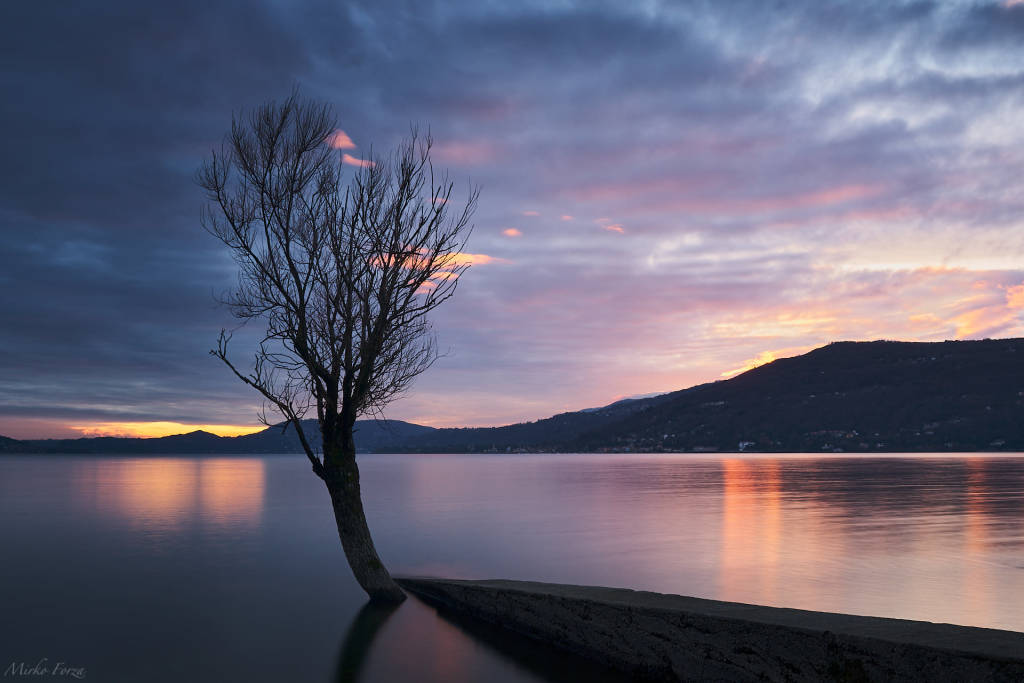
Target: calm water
[(230, 568)]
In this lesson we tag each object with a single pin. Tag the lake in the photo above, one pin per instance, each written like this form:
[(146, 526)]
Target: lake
[(210, 569)]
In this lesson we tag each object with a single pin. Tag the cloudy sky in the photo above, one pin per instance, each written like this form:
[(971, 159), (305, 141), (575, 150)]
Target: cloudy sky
[(671, 192)]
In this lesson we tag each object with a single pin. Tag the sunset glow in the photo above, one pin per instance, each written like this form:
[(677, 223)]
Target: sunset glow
[(761, 359), (156, 429), (799, 185), (318, 316)]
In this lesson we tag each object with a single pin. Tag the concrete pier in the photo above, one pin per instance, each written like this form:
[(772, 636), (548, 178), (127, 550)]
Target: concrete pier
[(671, 637)]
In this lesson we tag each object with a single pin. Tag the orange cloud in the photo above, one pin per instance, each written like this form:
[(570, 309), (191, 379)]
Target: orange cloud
[(455, 261), (615, 227), (511, 232), (476, 259), (983, 316), (531, 213), (445, 264), (985, 321), (339, 139), (355, 161), (1015, 295), (149, 430)]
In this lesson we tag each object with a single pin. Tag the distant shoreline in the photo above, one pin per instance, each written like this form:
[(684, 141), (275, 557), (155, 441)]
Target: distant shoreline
[(765, 454), (847, 397)]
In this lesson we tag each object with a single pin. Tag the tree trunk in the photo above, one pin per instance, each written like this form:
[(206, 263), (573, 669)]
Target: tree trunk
[(343, 485)]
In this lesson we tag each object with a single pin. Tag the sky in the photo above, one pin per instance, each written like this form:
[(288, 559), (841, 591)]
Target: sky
[(672, 192)]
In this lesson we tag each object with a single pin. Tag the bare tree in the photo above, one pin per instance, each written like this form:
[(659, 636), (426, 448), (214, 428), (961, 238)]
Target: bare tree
[(344, 275)]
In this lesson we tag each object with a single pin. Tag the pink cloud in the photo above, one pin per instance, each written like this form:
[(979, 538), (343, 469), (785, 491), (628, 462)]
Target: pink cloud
[(464, 153), (531, 213), (629, 189), (355, 161), (566, 217), (615, 227), (511, 232), (831, 196), (646, 342), (339, 139), (676, 196)]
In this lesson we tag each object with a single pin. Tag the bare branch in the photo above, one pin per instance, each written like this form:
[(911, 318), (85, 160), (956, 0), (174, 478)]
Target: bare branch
[(262, 383), (344, 274)]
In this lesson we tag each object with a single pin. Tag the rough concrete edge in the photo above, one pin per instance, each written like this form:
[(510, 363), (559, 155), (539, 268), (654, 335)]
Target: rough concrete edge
[(562, 592)]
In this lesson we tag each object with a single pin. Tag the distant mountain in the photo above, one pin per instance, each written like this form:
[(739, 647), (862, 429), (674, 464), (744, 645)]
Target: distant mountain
[(849, 396), (876, 396), (371, 435)]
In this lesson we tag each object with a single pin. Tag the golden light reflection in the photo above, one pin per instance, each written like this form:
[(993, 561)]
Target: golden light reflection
[(169, 493), (151, 491), (150, 430), (751, 530), (771, 528), (231, 490), (977, 586)]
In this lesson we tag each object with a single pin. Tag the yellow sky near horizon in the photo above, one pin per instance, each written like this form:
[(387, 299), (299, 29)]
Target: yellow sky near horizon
[(157, 429)]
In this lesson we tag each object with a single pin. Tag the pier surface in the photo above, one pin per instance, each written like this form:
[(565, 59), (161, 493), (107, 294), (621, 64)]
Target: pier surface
[(655, 636)]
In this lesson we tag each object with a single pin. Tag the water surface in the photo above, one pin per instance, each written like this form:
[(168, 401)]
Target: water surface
[(163, 568)]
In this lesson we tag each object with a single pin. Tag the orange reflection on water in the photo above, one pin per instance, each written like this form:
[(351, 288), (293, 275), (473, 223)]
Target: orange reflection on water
[(977, 579), (751, 529), (231, 491), (150, 492), (168, 493)]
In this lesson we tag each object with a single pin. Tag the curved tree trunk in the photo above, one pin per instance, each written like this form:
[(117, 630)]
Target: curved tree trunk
[(343, 485)]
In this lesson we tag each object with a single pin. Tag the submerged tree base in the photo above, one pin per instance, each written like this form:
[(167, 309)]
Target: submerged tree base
[(346, 499)]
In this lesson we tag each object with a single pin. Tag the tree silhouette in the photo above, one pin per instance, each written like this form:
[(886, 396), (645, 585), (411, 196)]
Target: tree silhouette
[(344, 275)]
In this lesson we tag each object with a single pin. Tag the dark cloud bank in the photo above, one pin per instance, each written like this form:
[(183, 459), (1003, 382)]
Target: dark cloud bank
[(762, 162)]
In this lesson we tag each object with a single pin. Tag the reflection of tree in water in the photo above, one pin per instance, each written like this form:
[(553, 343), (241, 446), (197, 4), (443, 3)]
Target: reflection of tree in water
[(542, 661), (355, 647), (481, 651)]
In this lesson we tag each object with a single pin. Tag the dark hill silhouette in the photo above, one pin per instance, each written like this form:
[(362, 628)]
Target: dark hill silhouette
[(853, 396), (877, 396), (371, 435)]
